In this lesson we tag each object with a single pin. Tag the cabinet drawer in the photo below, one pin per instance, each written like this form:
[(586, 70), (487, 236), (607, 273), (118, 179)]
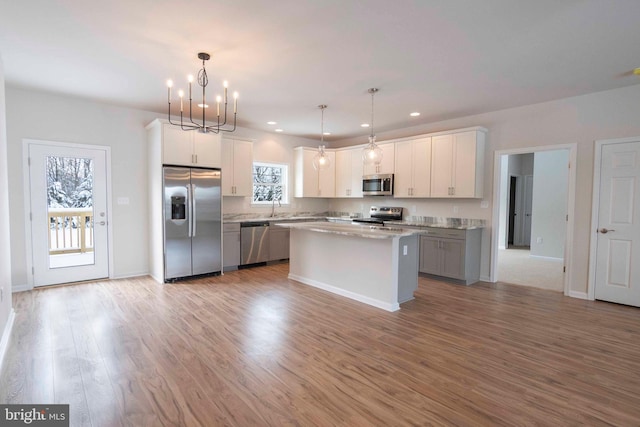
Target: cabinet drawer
[(231, 227), (448, 233)]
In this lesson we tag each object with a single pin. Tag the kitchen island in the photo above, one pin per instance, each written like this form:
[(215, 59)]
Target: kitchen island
[(371, 264)]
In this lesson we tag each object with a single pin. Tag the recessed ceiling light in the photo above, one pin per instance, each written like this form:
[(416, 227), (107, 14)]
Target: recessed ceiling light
[(272, 123), (279, 130), (327, 133), (205, 105), (364, 125), (414, 114)]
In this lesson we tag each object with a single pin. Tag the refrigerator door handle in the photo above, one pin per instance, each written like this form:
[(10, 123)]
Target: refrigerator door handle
[(190, 208), (193, 208)]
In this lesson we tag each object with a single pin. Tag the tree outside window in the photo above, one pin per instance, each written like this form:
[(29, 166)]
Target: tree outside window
[(270, 183)]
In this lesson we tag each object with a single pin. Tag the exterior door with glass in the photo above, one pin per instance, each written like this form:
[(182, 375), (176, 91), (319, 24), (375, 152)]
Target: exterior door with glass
[(68, 212)]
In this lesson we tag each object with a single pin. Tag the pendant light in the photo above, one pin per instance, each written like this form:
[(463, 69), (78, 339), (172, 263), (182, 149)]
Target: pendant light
[(372, 153), (321, 160)]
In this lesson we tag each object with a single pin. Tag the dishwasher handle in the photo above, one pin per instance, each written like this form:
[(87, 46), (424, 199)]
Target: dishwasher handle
[(254, 224)]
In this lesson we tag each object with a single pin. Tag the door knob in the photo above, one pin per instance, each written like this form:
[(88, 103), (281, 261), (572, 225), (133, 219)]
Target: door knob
[(604, 231)]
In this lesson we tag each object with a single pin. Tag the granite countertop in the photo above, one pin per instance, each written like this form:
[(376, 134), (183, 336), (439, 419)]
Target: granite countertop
[(274, 219), (368, 231), (440, 222)]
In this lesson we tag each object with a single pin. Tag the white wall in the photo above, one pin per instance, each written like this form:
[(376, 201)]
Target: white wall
[(548, 223), (5, 252), (45, 116), (38, 115), (580, 120)]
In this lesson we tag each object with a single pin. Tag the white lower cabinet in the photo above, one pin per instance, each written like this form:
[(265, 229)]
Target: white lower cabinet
[(231, 246), (451, 253)]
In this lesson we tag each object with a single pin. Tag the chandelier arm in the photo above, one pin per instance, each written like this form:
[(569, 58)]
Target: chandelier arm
[(169, 115)]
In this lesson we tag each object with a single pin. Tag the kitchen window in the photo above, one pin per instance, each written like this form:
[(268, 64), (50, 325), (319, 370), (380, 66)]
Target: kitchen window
[(270, 183)]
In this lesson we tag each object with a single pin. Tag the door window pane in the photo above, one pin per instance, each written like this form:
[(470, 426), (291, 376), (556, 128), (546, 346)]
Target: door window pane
[(70, 211)]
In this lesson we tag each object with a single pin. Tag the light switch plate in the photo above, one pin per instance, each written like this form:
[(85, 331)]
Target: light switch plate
[(484, 204), (123, 200)]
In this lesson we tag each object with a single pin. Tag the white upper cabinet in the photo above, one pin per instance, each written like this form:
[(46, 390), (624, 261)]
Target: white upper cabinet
[(349, 171), (413, 168), (237, 167), (457, 164), (190, 148), (386, 165), (310, 182)]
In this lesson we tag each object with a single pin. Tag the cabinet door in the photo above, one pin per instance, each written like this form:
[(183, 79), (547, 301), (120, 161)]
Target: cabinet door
[(343, 173), (243, 168), (228, 185), (327, 177), (206, 149), (464, 164), (452, 252), (441, 165), (403, 178), (429, 255), (357, 170), (421, 162), (310, 184), (231, 249), (278, 243), (177, 146), (386, 165)]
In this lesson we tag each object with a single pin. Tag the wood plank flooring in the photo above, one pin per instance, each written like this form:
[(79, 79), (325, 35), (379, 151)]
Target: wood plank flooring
[(253, 348)]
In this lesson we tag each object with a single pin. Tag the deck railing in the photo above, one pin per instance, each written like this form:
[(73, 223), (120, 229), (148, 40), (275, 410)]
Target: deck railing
[(70, 230)]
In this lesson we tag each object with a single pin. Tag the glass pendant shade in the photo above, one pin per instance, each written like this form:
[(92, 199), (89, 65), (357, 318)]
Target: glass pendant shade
[(372, 153), (321, 160)]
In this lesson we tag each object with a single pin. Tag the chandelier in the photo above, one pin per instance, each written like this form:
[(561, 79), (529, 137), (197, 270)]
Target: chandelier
[(321, 160), (372, 153), (202, 126)]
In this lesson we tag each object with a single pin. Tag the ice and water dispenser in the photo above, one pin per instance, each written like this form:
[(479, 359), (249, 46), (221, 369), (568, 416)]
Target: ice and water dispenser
[(178, 207)]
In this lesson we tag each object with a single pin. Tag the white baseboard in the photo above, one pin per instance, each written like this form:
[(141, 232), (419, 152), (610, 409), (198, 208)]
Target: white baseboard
[(548, 258), (485, 279), (580, 295), (4, 343), (339, 291), (21, 288), (127, 276)]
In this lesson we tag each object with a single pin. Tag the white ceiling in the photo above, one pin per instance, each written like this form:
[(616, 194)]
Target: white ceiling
[(443, 58)]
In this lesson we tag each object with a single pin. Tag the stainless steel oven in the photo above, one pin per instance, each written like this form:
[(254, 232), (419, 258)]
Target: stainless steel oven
[(377, 185)]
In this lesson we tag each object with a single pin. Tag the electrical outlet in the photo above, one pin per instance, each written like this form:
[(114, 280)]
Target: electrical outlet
[(405, 250), (413, 208), (1, 294), (484, 204), (539, 240), (456, 209)]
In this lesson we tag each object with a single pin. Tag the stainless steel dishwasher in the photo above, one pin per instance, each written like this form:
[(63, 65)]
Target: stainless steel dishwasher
[(254, 242)]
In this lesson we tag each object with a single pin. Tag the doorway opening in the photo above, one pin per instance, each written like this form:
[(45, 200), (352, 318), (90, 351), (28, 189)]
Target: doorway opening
[(531, 217)]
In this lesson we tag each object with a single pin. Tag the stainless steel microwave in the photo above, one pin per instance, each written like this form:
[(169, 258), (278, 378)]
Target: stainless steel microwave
[(377, 185)]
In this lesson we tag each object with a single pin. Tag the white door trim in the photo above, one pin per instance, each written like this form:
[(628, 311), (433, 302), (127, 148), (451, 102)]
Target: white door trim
[(27, 200), (571, 202), (595, 209)]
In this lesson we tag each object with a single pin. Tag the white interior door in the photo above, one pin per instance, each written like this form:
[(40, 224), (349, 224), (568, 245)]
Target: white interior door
[(617, 275), (68, 201)]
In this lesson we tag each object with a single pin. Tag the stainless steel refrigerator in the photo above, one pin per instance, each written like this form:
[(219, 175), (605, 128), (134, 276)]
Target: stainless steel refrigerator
[(192, 222)]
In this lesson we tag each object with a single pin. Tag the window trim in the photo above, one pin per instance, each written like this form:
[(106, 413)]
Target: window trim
[(285, 183)]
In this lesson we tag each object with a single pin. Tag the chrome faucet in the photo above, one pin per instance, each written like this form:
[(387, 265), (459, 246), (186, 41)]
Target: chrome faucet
[(273, 206)]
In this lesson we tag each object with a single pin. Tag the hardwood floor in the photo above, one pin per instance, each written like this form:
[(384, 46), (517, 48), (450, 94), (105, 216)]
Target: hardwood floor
[(254, 348)]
